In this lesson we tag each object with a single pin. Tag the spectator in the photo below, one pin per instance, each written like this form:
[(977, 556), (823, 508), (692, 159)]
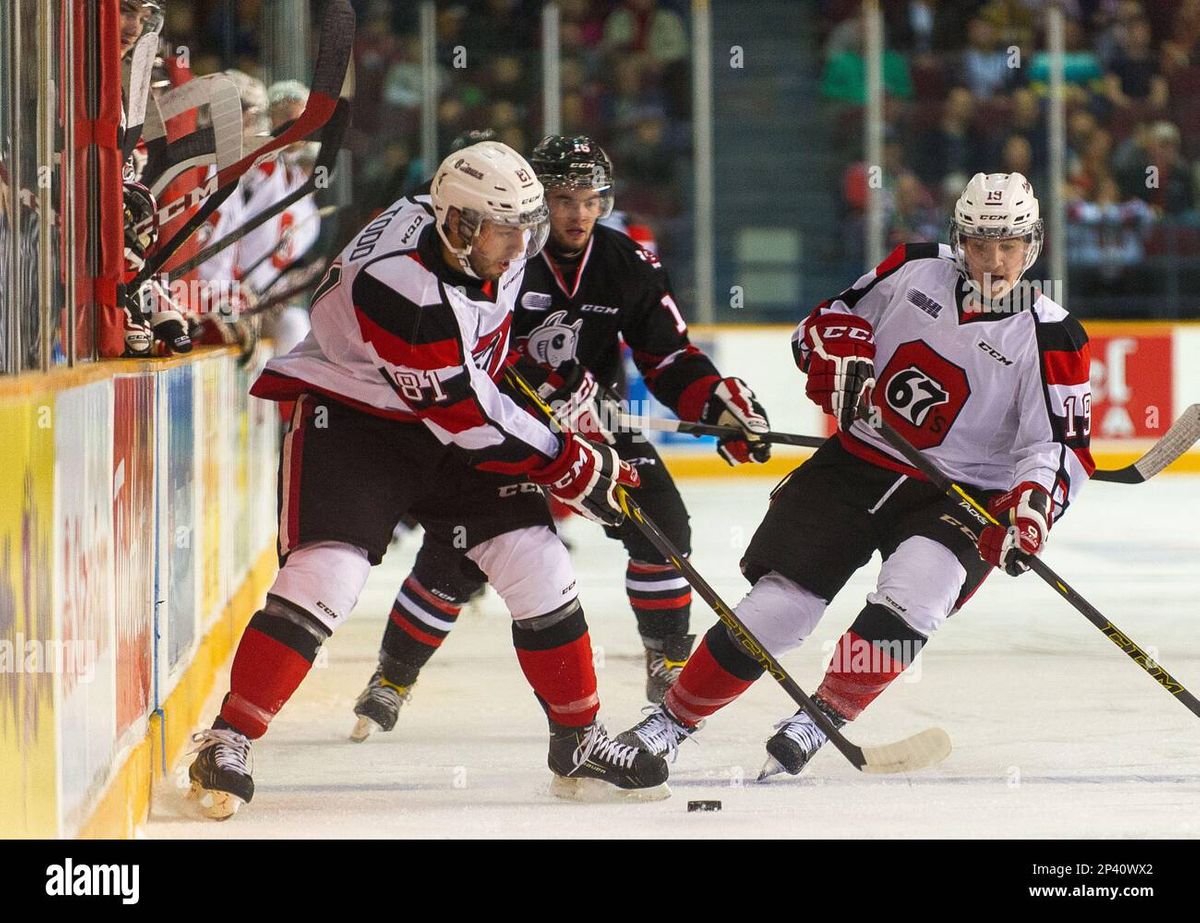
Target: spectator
[(1110, 24), (1106, 242), (1133, 76), (581, 27), (913, 217), (1093, 168), (1016, 156), (954, 145), (1013, 21), (658, 39), (643, 29), (985, 68), (1153, 170), (1081, 65), (1026, 120), (630, 94), (1180, 49), (844, 78)]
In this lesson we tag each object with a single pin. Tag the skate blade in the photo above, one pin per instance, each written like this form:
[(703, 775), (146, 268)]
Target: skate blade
[(596, 791), (772, 767), (215, 805), (364, 728)]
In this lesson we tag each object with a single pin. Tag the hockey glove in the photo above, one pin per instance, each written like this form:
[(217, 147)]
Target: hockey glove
[(171, 331), (585, 478), (574, 396), (837, 354), (1027, 509), (732, 403)]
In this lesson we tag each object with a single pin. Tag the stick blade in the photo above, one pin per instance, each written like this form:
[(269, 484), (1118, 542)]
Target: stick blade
[(928, 748), (1182, 435)]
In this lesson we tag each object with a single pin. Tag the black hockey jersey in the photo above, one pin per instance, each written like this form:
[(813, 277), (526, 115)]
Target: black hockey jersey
[(615, 290)]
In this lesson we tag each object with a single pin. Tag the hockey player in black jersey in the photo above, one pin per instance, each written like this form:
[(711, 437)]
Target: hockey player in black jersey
[(589, 289)]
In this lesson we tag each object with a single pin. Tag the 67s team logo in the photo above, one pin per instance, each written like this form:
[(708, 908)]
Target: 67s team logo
[(924, 393)]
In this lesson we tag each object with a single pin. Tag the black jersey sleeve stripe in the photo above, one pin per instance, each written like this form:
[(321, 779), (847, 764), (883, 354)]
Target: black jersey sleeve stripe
[(1066, 335)]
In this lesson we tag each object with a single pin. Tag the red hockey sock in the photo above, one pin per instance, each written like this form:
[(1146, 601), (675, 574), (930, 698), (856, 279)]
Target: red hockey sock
[(859, 672), (269, 665), (703, 687), (557, 661)]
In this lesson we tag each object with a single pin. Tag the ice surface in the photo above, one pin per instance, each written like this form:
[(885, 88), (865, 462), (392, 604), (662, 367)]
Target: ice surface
[(1056, 733)]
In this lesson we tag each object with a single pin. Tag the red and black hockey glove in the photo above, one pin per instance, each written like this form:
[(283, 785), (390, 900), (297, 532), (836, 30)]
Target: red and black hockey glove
[(1027, 510), (732, 403), (585, 478), (574, 395), (838, 355)]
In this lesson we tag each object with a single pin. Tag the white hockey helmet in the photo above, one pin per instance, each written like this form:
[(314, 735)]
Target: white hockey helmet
[(489, 181), (997, 206)]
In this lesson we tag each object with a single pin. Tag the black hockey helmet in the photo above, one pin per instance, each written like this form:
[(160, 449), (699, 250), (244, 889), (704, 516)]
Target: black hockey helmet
[(574, 162), (474, 136)]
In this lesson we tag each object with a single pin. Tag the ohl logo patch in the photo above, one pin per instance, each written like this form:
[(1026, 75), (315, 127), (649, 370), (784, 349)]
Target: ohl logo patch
[(923, 393)]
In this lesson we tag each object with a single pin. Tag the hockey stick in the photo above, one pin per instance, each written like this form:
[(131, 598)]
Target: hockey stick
[(1039, 567), (329, 75), (331, 142), (707, 429), (284, 239), (1183, 434), (141, 66), (926, 748), (220, 142)]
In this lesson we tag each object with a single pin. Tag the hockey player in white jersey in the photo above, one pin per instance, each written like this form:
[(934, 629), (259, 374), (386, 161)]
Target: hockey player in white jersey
[(397, 413), (985, 375)]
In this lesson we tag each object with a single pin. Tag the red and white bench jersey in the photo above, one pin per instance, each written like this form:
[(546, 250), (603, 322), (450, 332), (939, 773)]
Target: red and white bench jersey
[(993, 398), (397, 333)]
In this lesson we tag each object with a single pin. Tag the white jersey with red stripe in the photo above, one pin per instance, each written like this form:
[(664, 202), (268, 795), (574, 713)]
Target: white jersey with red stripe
[(398, 333), (994, 398)]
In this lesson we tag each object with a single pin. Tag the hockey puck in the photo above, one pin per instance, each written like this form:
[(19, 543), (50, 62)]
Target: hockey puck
[(704, 806)]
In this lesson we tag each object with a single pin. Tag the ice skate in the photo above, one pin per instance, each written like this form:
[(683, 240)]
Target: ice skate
[(658, 733), (220, 774), (796, 741), (378, 707), (589, 766), (664, 665)]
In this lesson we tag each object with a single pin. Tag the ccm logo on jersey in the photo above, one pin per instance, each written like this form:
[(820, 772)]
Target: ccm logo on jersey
[(991, 351), (599, 309), (407, 235)]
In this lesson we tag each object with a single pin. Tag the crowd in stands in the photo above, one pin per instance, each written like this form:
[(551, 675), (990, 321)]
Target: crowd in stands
[(966, 85), (625, 79)]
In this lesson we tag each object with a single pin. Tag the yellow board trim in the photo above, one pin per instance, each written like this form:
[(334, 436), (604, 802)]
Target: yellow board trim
[(125, 804), (704, 465), (60, 379)]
